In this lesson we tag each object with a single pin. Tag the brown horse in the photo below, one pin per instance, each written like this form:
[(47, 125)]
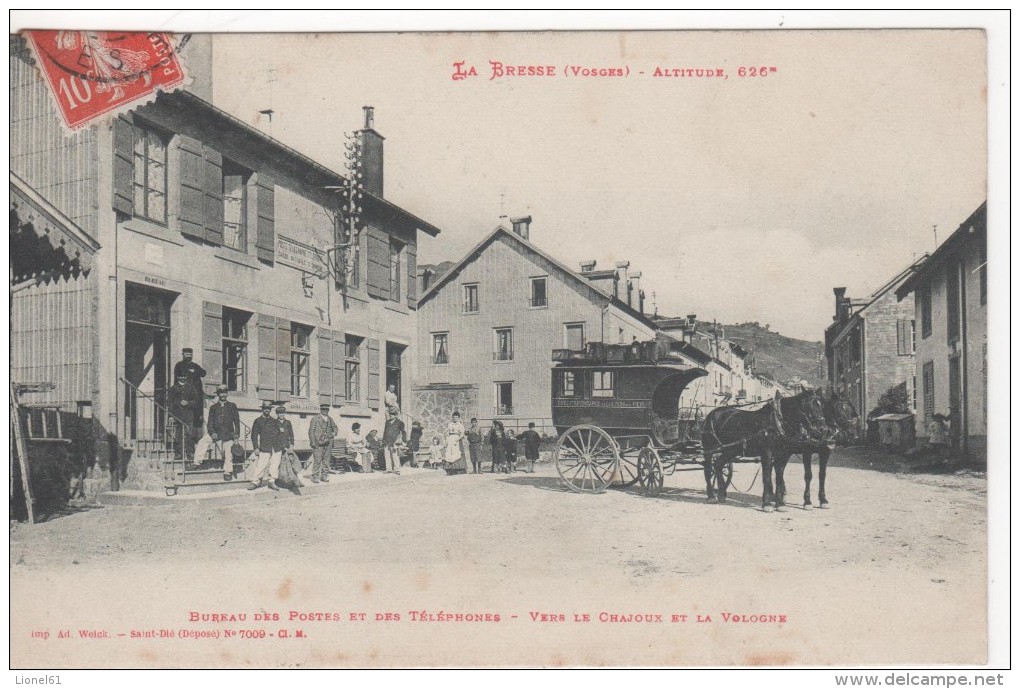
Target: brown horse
[(731, 432), (806, 432)]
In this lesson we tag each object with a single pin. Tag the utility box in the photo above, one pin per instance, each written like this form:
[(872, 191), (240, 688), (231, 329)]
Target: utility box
[(896, 431)]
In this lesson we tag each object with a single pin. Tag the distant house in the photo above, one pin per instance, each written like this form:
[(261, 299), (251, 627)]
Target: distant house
[(488, 324), (949, 293), (869, 346)]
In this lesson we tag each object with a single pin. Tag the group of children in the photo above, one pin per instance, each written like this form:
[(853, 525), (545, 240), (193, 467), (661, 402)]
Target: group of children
[(464, 444)]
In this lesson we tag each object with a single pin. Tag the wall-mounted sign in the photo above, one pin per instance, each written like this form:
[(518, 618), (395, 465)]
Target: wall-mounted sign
[(297, 255)]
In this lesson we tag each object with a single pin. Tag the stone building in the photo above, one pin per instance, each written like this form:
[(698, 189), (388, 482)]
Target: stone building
[(209, 234)]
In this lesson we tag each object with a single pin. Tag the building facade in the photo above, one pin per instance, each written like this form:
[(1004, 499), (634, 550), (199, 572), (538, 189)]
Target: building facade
[(216, 237), (870, 345), (949, 295), (487, 327)]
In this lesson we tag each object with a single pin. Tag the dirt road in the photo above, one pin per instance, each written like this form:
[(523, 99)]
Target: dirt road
[(509, 571)]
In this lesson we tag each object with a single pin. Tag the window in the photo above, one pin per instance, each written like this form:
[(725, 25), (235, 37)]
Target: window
[(924, 295), (395, 250), (568, 384), (150, 175), (952, 302), (904, 337), (504, 399), (235, 206), (538, 293), (300, 339), (602, 384), (352, 367), (928, 381), (440, 348), (504, 345), (235, 349), (470, 298), (573, 336)]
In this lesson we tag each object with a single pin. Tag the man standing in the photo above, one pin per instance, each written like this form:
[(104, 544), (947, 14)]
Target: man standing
[(393, 433), (532, 440), (390, 398), (223, 429), (321, 432), (265, 438), (185, 406), (474, 438), (194, 374)]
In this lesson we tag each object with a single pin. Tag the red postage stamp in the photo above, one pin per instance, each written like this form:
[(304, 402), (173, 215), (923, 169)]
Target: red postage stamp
[(93, 73)]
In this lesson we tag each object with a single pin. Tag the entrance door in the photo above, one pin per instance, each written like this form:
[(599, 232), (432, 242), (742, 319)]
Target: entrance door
[(146, 359), (394, 356), (955, 417)]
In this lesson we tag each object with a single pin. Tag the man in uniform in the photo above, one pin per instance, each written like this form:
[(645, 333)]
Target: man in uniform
[(532, 441), (223, 429), (321, 432), (194, 374), (265, 438), (185, 407)]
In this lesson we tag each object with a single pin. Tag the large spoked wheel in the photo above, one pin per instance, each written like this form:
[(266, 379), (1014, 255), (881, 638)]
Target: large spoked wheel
[(587, 458), (650, 472), (627, 474)]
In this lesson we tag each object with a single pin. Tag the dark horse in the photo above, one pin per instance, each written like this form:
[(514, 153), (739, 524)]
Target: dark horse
[(812, 428), (807, 433), (731, 432)]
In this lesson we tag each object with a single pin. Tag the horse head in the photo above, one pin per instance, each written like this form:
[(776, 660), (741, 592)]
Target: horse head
[(840, 416)]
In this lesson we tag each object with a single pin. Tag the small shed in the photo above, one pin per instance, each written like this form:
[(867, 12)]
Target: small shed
[(896, 431)]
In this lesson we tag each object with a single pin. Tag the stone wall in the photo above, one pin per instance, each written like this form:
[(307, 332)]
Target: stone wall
[(433, 407)]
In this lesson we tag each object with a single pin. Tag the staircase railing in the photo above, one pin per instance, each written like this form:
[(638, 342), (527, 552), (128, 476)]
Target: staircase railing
[(151, 430)]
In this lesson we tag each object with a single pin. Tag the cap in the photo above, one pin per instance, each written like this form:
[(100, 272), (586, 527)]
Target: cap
[(323, 406), (187, 350), (221, 388), (280, 409), (266, 404)]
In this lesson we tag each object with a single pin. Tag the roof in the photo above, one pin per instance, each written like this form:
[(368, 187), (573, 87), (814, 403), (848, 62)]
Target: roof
[(66, 243), (324, 175), (974, 226), (576, 278), (903, 275)]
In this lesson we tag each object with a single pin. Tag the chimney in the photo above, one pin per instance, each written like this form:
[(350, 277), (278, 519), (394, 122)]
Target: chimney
[(634, 289), (588, 266), (841, 303), (522, 226), (371, 154), (198, 53), (621, 277), (425, 278)]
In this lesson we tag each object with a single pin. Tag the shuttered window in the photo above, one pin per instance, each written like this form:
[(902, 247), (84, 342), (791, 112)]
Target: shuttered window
[(333, 385), (274, 357), (928, 381), (905, 337), (373, 391), (377, 245)]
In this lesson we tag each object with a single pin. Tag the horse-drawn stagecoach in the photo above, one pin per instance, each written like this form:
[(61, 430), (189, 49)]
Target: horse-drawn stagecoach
[(618, 412)]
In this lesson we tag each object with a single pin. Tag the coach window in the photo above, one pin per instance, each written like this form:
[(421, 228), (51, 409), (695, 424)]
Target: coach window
[(602, 384), (568, 384)]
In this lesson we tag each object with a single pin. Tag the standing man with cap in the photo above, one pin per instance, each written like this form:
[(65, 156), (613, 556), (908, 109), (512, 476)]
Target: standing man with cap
[(194, 374), (321, 432), (185, 407), (265, 438), (223, 429), (532, 441)]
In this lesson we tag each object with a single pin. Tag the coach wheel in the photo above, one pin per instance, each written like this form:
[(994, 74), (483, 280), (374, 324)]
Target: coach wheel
[(650, 472), (627, 474), (587, 458)]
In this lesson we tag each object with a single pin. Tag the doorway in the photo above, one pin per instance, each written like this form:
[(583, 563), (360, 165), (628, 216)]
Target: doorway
[(394, 356), (955, 401), (147, 332)]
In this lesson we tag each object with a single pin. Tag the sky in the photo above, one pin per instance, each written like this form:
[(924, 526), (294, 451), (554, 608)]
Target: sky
[(739, 199)]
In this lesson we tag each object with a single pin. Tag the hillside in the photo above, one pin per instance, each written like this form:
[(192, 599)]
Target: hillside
[(780, 357)]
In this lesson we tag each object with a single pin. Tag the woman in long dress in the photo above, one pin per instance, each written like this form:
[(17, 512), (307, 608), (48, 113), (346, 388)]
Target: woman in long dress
[(455, 461)]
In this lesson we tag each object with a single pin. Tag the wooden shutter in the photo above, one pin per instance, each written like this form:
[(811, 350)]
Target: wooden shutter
[(267, 357), (212, 345), (373, 373), (191, 215), (123, 166), (339, 368), (265, 218), (282, 358), (326, 390), (213, 209), (378, 248), (412, 278)]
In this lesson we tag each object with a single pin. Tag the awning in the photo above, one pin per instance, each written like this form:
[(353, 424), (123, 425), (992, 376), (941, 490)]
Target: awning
[(44, 242)]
